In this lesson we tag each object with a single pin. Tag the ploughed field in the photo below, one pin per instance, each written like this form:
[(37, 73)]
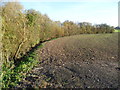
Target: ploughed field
[(81, 61)]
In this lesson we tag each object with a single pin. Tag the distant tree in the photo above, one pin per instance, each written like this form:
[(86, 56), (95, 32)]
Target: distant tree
[(70, 28)]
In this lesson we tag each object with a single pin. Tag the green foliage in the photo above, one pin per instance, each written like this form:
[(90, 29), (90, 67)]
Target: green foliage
[(11, 74), (31, 15), (116, 30)]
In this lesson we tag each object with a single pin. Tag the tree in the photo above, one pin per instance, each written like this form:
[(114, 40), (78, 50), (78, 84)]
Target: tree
[(14, 28)]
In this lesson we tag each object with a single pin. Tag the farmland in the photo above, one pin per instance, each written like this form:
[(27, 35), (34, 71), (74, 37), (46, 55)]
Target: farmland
[(37, 51), (85, 61)]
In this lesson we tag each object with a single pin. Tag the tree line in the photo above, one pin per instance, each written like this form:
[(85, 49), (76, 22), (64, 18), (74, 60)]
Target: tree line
[(23, 29)]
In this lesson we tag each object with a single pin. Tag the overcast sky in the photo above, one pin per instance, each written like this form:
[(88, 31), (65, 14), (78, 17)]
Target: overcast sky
[(94, 11)]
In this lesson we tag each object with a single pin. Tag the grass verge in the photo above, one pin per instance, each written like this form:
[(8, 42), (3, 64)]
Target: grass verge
[(12, 74), (116, 30)]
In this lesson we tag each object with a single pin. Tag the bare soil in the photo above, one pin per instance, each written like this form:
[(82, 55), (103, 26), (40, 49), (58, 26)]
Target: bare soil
[(80, 61)]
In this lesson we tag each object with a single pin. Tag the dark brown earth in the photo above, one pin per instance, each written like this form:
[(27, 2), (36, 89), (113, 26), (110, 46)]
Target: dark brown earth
[(80, 61)]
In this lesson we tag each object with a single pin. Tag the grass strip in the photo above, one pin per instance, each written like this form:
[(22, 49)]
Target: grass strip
[(12, 74)]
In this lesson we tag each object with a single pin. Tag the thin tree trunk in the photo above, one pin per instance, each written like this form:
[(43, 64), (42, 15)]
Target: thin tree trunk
[(20, 45)]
